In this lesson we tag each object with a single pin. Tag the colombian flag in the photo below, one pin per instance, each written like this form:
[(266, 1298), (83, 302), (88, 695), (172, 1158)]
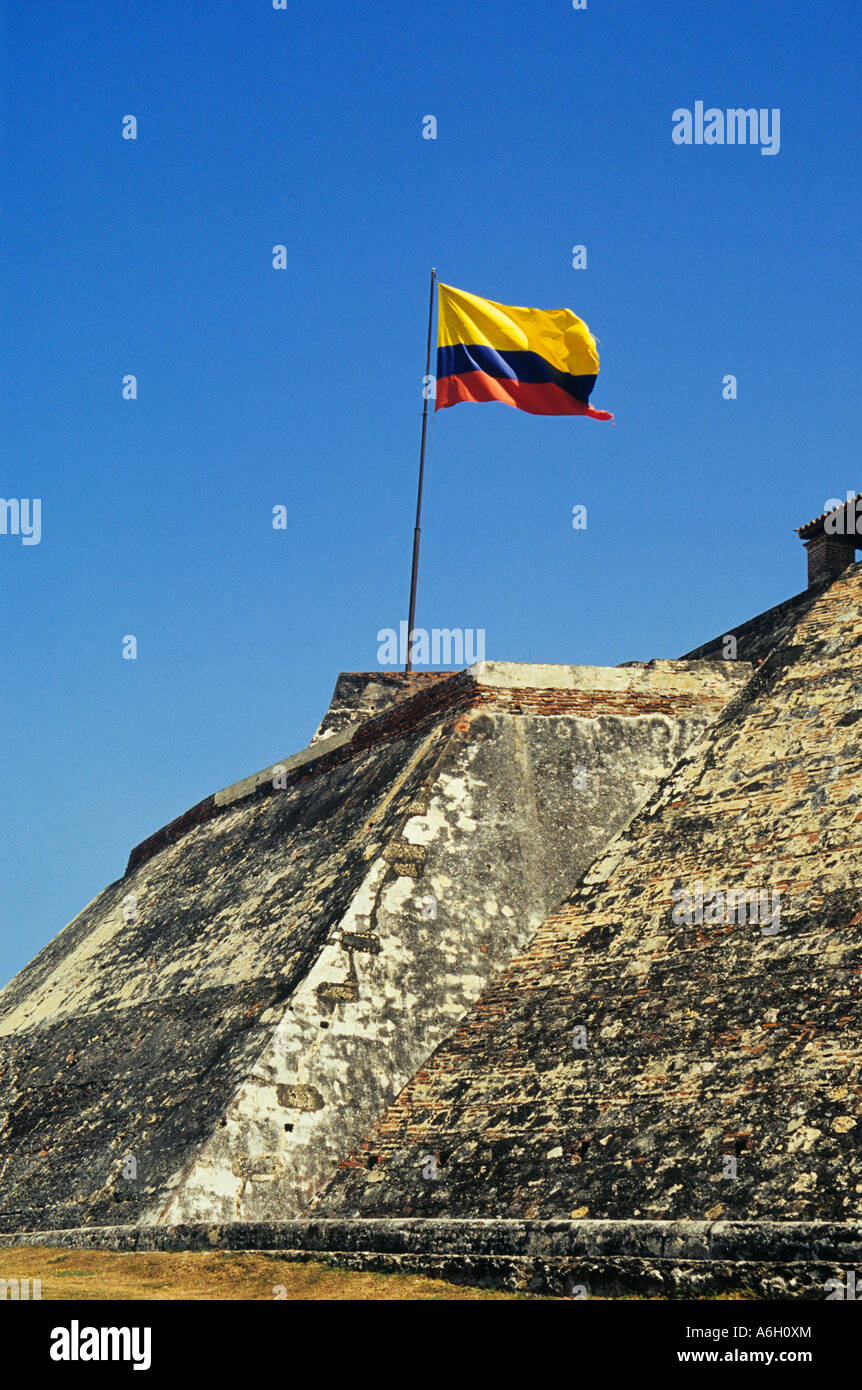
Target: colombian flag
[(543, 361)]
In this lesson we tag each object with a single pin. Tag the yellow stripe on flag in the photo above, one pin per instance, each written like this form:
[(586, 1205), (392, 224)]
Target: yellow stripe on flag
[(557, 335)]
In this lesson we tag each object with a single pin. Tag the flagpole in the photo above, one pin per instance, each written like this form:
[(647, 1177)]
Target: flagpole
[(409, 665)]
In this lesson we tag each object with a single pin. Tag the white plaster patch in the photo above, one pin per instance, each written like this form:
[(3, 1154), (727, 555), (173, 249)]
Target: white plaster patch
[(421, 830), (455, 790), (396, 895)]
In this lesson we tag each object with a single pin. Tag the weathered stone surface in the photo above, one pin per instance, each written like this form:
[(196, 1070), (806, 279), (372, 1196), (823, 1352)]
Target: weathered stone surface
[(131, 1036), (226, 970), (299, 1097), (369, 920), (704, 1043)]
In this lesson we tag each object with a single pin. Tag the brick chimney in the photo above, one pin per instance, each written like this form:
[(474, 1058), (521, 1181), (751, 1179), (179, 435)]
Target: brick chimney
[(832, 540)]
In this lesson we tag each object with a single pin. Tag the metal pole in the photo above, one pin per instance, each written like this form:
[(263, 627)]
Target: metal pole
[(415, 574)]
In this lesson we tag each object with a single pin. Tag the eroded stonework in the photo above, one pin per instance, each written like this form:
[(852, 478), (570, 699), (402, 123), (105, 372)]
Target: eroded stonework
[(631, 1063), (218, 1028)]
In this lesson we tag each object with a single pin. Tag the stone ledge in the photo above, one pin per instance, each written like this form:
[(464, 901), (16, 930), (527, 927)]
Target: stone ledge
[(659, 676), (606, 1278), (785, 1242)]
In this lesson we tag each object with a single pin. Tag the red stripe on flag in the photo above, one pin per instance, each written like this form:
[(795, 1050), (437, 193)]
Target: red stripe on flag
[(536, 397)]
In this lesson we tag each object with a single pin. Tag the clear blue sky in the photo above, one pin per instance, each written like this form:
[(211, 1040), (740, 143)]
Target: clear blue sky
[(301, 387)]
